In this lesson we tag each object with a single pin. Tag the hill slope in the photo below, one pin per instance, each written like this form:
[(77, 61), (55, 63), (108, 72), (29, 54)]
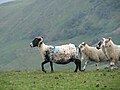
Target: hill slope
[(58, 21)]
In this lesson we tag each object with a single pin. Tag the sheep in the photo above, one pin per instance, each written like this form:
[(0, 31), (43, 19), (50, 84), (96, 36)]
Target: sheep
[(111, 50), (62, 54), (91, 54)]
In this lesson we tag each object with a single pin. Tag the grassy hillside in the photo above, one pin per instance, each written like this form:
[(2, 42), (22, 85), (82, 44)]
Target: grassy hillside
[(62, 80), (58, 21)]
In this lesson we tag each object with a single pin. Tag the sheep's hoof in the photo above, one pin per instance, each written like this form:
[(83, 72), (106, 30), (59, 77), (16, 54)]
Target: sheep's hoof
[(111, 67), (106, 67), (80, 70), (115, 67), (44, 71), (52, 71), (97, 69), (75, 71), (83, 70)]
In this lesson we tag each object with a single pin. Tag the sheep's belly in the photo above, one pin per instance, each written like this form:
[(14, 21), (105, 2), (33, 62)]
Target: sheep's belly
[(63, 61)]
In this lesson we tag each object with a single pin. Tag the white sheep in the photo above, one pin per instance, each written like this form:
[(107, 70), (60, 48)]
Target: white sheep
[(92, 54), (57, 54), (111, 50)]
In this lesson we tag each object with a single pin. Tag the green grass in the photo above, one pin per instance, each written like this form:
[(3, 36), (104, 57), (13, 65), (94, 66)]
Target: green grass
[(60, 80)]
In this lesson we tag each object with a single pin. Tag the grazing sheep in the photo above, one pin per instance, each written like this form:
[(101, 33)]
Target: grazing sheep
[(111, 50), (92, 54), (57, 54)]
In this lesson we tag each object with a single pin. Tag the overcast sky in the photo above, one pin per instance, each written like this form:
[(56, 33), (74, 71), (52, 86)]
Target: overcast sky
[(4, 1)]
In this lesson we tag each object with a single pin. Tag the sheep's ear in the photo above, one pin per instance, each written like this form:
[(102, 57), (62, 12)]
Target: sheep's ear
[(83, 43), (39, 39), (109, 38), (103, 38), (42, 39)]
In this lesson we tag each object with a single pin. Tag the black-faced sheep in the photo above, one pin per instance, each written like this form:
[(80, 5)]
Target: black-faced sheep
[(57, 54), (91, 54), (111, 50)]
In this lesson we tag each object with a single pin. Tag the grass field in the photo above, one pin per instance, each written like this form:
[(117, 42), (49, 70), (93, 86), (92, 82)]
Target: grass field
[(60, 80)]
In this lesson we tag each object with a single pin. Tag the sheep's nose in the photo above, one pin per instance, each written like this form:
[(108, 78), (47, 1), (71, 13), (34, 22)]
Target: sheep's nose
[(31, 45), (97, 46), (103, 46)]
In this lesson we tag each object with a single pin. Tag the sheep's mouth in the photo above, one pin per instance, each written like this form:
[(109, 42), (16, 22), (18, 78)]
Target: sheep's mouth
[(31, 45), (98, 47)]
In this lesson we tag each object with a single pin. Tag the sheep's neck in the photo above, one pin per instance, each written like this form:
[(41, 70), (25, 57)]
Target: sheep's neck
[(87, 51), (105, 52), (42, 47), (110, 49)]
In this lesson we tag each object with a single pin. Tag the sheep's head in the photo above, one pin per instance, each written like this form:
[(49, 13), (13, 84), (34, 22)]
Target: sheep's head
[(104, 43), (108, 42), (37, 42), (82, 46), (81, 49), (99, 44)]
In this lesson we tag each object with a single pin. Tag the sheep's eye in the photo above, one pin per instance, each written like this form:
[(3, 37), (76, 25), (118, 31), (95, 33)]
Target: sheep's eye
[(109, 45), (106, 41), (81, 46), (99, 43), (39, 39)]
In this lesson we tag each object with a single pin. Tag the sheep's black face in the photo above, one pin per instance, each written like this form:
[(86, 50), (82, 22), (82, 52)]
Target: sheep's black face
[(98, 46), (36, 42)]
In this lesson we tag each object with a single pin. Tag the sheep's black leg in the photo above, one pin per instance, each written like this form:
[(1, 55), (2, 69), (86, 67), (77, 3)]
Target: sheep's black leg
[(76, 68), (43, 65), (78, 65), (51, 65)]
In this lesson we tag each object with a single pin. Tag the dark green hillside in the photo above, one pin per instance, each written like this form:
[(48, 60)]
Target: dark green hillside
[(58, 21)]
